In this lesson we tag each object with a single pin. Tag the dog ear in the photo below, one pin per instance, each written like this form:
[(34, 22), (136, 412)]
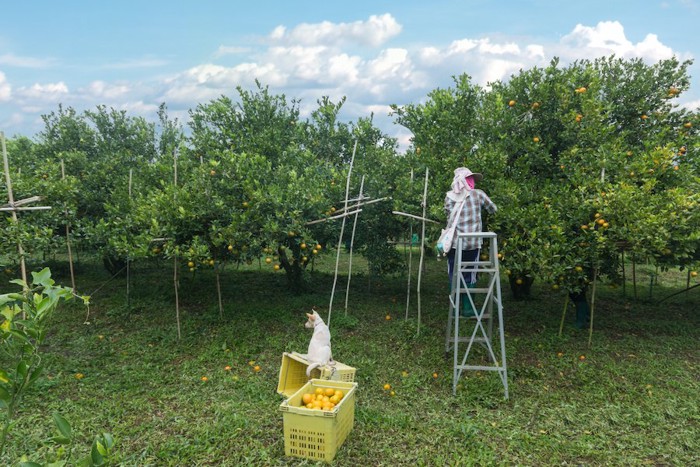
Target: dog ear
[(310, 316)]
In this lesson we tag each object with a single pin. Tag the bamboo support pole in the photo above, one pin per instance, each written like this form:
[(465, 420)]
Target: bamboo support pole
[(624, 278), (128, 258), (425, 219), (422, 250), (175, 260), (338, 216), (11, 199), (590, 325), (563, 315), (340, 237), (32, 208), (68, 245), (218, 292), (352, 242), (634, 277), (410, 263)]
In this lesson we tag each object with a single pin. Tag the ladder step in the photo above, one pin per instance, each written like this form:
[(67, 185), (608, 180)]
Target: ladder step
[(476, 339), (486, 316), (481, 368), (474, 290)]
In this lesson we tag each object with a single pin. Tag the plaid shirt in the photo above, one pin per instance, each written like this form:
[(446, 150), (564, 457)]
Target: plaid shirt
[(470, 218)]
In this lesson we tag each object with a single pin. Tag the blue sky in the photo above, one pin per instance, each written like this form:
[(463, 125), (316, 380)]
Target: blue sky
[(133, 55)]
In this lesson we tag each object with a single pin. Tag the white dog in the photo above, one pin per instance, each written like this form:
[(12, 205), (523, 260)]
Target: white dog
[(320, 345)]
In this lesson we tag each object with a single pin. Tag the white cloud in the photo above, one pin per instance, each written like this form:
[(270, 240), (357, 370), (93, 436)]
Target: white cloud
[(692, 106), (5, 88), (373, 32), (98, 90), (608, 37), (535, 51), (139, 107), (52, 92), (206, 82), (344, 69), (486, 47)]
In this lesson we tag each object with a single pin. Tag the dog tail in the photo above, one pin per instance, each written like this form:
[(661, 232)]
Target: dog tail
[(311, 368)]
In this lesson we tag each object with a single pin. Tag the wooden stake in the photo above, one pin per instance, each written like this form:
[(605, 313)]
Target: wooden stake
[(352, 241), (128, 259), (634, 277), (176, 283), (422, 250), (563, 314), (175, 261), (70, 253), (590, 326), (11, 199), (624, 278), (410, 262), (340, 238), (218, 291)]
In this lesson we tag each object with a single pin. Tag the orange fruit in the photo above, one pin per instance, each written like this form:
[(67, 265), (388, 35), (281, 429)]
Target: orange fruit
[(511, 103), (309, 405), (334, 399), (307, 398), (387, 387), (435, 375), (256, 368), (339, 393), (319, 391), (329, 392)]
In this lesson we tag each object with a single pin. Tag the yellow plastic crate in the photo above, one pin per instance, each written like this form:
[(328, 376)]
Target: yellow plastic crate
[(317, 434), (293, 373)]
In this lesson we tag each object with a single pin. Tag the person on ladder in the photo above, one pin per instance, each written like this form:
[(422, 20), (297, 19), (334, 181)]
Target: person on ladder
[(468, 221)]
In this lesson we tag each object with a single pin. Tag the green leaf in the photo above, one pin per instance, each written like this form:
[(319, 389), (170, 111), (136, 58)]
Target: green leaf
[(5, 395), (95, 454), (42, 277), (22, 369), (61, 440), (109, 440), (62, 425), (35, 375), (29, 464), (101, 447)]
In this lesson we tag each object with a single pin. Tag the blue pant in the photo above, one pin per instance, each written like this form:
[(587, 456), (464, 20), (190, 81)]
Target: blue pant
[(467, 255)]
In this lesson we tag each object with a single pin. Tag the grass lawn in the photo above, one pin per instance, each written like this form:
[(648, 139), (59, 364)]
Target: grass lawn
[(633, 400)]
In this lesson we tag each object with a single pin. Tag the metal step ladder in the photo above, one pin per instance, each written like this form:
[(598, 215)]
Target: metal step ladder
[(479, 328)]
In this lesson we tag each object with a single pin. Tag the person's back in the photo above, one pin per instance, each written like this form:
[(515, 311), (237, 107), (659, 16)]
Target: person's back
[(472, 200)]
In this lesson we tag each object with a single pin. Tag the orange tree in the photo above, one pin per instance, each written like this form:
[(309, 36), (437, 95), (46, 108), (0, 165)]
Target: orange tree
[(564, 150)]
